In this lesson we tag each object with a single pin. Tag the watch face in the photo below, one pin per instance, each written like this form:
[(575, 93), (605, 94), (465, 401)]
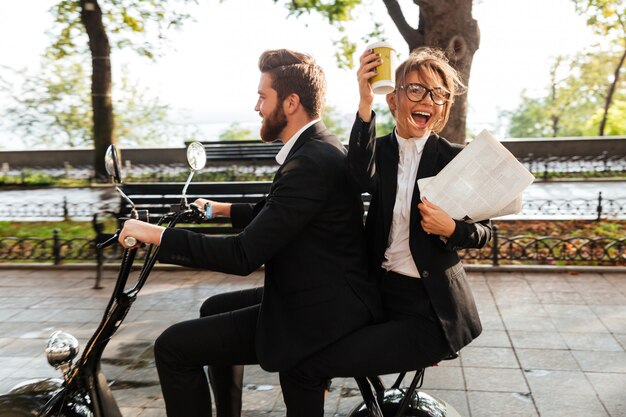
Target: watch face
[(208, 211)]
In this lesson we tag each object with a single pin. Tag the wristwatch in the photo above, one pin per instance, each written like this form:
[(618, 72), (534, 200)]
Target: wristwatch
[(208, 211)]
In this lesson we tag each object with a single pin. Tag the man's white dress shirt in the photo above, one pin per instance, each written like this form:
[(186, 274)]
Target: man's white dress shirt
[(284, 151)]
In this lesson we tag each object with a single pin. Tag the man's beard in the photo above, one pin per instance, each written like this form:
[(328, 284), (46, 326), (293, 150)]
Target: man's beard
[(273, 125)]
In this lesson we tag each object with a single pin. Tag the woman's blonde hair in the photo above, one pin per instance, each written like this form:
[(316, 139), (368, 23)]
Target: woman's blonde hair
[(430, 64)]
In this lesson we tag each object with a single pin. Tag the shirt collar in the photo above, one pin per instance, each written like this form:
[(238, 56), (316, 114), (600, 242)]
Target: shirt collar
[(419, 143), (284, 151)]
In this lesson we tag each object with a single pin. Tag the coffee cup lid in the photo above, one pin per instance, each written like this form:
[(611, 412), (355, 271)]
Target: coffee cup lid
[(381, 44)]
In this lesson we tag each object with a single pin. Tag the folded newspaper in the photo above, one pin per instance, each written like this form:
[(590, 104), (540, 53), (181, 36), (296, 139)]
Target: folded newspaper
[(482, 182)]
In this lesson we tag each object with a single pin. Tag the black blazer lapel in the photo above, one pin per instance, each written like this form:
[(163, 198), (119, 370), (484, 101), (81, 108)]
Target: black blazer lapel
[(315, 130), (388, 158), (427, 168)]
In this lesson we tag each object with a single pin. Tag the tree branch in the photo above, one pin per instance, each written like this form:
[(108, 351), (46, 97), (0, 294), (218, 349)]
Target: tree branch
[(395, 12)]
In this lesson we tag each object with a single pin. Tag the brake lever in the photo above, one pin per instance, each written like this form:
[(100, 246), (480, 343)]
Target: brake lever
[(196, 212), (110, 241)]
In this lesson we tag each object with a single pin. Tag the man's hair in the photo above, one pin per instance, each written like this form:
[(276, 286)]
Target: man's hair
[(295, 73), (430, 64)]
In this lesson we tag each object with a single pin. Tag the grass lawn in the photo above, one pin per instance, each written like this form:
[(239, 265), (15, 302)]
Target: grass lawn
[(614, 229), (67, 230)]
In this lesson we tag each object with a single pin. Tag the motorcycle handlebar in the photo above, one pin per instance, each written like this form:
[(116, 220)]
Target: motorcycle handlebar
[(110, 241)]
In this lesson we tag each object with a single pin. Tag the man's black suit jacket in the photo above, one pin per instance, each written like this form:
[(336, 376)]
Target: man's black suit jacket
[(309, 233), (374, 162)]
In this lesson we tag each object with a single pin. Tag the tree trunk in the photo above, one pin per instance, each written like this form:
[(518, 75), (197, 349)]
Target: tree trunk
[(609, 96), (91, 17), (448, 25)]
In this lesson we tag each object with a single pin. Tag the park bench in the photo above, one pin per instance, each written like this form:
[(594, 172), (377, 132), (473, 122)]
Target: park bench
[(241, 150), (158, 199)]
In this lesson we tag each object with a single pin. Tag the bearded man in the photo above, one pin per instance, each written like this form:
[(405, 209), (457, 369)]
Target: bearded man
[(308, 232)]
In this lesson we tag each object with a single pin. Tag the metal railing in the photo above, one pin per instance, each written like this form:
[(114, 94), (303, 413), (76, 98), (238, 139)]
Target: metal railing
[(544, 167), (583, 166), (548, 250), (599, 208), (566, 250)]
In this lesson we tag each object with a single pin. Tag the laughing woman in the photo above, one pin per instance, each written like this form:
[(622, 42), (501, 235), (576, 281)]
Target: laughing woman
[(412, 243)]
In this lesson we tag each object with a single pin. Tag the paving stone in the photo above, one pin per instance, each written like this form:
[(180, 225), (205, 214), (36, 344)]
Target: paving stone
[(131, 411), (455, 398), (21, 302), (604, 298), (604, 362), (569, 342), (531, 324), (558, 382), (569, 405), (537, 340), (569, 311), (491, 322), (495, 379), (27, 348), (579, 325), (621, 338), (491, 338), (560, 297), (597, 342), (489, 357), (523, 310), (610, 389), (547, 359), (442, 377), (613, 317), (493, 404), (9, 313)]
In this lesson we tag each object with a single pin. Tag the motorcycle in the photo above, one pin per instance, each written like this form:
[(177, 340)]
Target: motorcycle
[(84, 391), (379, 401)]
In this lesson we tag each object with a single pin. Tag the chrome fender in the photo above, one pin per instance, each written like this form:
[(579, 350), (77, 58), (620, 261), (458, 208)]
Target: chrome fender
[(421, 405), (37, 386), (28, 397)]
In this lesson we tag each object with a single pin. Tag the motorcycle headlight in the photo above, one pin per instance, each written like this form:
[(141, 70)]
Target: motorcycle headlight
[(62, 348)]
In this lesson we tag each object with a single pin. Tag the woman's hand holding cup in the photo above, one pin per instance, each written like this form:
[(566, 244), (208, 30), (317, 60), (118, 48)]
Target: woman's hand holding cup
[(376, 75), (367, 70)]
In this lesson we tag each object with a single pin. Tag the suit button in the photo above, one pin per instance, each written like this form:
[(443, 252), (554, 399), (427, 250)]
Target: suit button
[(425, 274)]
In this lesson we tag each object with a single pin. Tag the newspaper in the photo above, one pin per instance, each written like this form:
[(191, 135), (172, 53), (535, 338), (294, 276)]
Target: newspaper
[(483, 181)]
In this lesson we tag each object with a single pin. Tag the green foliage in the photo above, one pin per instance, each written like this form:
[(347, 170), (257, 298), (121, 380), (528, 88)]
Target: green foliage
[(573, 104), (385, 123), (344, 51), (605, 17), (52, 107), (36, 178), (333, 122), (236, 132), (127, 22), (336, 13), (333, 11), (616, 122), (67, 229)]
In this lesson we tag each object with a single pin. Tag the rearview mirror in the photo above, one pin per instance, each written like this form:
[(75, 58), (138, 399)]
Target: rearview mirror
[(196, 156), (111, 164)]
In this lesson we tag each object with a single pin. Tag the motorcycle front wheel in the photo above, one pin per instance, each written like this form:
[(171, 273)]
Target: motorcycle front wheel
[(421, 405)]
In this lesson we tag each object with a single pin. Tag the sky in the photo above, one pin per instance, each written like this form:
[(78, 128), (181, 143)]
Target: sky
[(209, 77)]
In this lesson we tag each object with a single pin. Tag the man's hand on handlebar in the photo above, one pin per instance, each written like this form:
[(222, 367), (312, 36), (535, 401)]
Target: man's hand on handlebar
[(144, 233), (212, 208)]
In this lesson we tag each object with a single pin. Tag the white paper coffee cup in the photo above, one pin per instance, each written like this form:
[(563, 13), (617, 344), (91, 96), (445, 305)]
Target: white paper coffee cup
[(385, 81)]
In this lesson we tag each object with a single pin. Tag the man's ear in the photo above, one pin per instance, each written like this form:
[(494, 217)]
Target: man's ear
[(291, 104)]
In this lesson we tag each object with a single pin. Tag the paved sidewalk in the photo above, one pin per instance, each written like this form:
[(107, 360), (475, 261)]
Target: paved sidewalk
[(553, 344)]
